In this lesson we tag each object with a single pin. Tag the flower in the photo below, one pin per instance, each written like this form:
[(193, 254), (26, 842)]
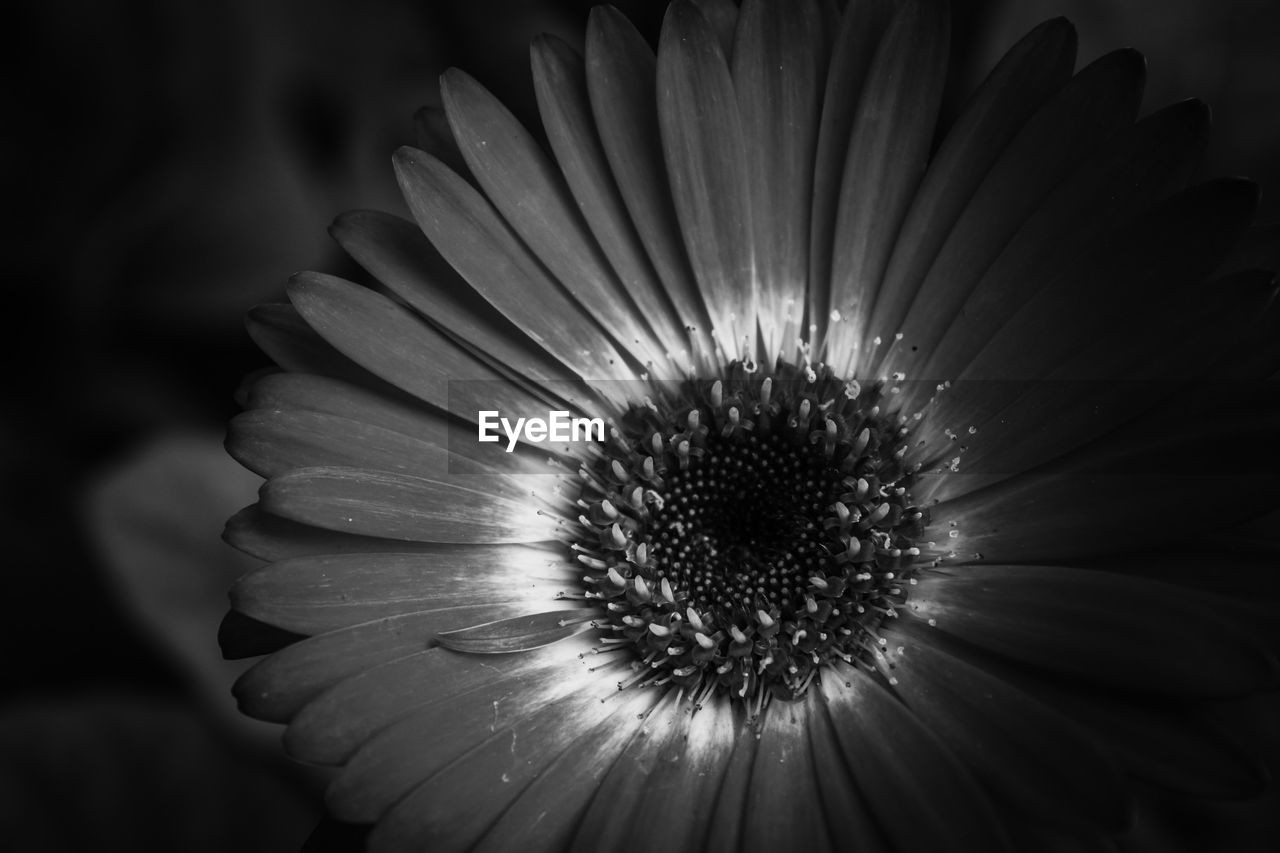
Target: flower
[(904, 531)]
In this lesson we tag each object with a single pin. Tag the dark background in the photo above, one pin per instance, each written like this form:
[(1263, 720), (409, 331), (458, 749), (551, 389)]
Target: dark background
[(167, 165)]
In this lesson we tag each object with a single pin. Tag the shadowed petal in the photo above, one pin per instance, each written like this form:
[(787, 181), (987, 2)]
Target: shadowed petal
[(705, 153), (269, 537), (1097, 626), (888, 152), (921, 795), (1032, 71), (1024, 751), (784, 774)]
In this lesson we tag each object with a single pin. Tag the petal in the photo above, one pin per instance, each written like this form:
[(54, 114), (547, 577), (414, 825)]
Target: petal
[(1096, 626), (392, 343), (681, 757), (529, 192), (1028, 75), (1099, 101), (332, 725), (779, 66), (516, 634), (269, 537), (921, 795), (281, 333), (277, 687), (847, 812), (783, 773), (705, 154), (412, 750), (722, 16), (888, 151), (309, 595), (402, 506), (560, 80), (454, 808), (546, 814), (621, 74), (469, 233), (861, 30), (398, 254), (1022, 750), (1131, 171)]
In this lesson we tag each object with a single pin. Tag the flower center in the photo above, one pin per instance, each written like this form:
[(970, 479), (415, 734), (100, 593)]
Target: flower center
[(740, 533)]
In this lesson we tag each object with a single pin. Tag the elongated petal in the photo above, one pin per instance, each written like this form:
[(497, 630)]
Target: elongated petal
[(1024, 751), (779, 67), (682, 757), (398, 254), (528, 190), (621, 74), (411, 751), (560, 80), (401, 506), (269, 537), (278, 687), (517, 634), (784, 772), (466, 230), (888, 151), (1097, 626), (314, 594), (921, 795), (545, 815), (705, 153), (847, 812), (861, 28), (1101, 100), (1032, 71), (390, 342)]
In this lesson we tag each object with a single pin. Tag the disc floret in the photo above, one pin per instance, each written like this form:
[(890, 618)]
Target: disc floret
[(742, 532)]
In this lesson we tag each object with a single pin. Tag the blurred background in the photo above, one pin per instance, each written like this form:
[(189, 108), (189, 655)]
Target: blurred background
[(168, 165)]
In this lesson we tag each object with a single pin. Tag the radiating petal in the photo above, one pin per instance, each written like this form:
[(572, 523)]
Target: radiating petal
[(466, 230), (784, 774), (861, 29), (412, 750), (621, 75), (1028, 75), (545, 815), (516, 634), (681, 758), (525, 186), (779, 67), (402, 506), (846, 809), (309, 595), (332, 725), (705, 153), (921, 795), (277, 687), (269, 537), (1098, 102), (888, 152), (392, 343), (1021, 749), (398, 254), (560, 80), (722, 16), (281, 333), (1098, 626)]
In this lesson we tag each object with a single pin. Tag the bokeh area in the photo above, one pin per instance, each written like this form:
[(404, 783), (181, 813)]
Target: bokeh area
[(168, 165)]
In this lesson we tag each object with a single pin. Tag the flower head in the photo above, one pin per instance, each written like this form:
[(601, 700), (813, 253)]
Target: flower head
[(878, 549)]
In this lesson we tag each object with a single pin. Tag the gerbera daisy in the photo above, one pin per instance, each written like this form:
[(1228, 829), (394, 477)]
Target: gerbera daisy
[(912, 526)]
